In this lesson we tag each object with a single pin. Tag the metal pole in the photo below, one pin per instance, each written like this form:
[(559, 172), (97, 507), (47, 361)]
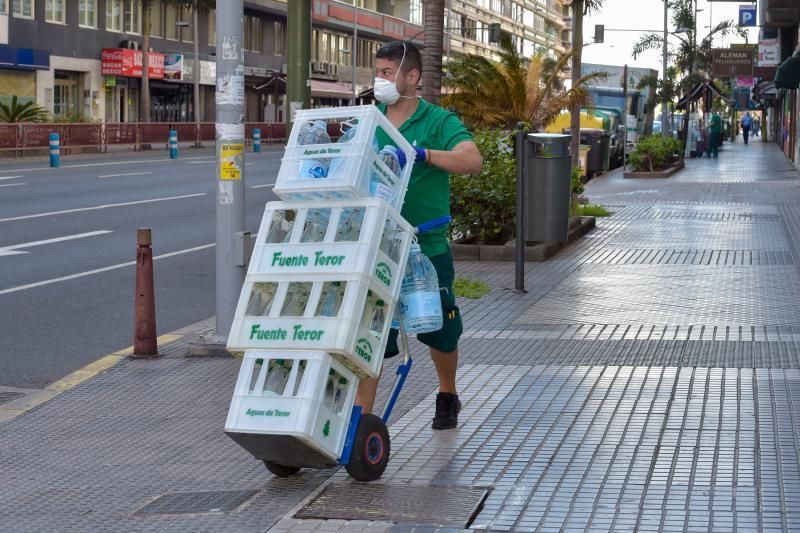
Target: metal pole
[(664, 123), (298, 84), (355, 50), (625, 117), (519, 259), (230, 160), (197, 141)]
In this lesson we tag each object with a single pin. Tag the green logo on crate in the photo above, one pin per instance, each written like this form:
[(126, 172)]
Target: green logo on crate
[(384, 273), (326, 429), (320, 259), (267, 412), (280, 334), (364, 349), (323, 151)]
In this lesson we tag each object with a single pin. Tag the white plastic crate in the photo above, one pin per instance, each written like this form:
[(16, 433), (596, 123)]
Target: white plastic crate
[(303, 412), (292, 315), (291, 246), (352, 163)]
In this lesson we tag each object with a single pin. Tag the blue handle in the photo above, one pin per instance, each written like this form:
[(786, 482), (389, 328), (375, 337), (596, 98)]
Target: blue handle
[(430, 225)]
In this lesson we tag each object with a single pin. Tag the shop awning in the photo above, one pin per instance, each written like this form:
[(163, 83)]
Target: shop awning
[(331, 89), (788, 74), (702, 89)]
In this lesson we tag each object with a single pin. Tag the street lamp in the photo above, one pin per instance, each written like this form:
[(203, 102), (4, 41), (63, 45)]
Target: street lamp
[(196, 73)]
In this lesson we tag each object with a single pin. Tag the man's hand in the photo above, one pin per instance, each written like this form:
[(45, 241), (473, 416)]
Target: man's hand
[(421, 155), (464, 158)]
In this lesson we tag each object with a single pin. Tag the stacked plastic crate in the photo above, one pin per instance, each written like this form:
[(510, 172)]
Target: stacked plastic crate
[(321, 288)]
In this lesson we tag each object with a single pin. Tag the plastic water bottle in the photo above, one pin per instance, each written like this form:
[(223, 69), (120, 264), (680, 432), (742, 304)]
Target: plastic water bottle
[(280, 230), (296, 299), (261, 298), (329, 391), (350, 223), (316, 225), (378, 318), (314, 133), (276, 378), (420, 304), (379, 189), (331, 299), (396, 317), (339, 396), (391, 240), (301, 369)]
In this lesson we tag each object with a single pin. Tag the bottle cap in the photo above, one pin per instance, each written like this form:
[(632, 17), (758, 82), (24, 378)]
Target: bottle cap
[(279, 362), (342, 381), (379, 303)]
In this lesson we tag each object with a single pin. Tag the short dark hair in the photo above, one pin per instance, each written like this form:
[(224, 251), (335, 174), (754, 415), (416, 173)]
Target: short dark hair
[(394, 52)]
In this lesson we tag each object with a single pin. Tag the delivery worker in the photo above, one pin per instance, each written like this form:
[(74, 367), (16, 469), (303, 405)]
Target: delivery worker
[(444, 146)]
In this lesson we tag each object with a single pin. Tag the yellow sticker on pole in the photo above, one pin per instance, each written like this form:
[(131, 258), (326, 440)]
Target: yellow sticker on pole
[(231, 161)]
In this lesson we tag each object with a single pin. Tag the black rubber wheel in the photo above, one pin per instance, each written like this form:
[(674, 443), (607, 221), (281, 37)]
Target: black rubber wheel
[(371, 448), (280, 470)]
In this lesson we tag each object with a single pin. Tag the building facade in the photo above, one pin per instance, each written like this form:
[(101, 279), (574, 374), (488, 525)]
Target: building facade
[(82, 59)]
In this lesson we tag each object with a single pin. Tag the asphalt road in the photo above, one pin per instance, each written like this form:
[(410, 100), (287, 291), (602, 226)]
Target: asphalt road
[(68, 248)]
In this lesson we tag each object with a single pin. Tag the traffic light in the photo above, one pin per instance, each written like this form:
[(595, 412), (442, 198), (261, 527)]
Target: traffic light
[(494, 32), (599, 33)]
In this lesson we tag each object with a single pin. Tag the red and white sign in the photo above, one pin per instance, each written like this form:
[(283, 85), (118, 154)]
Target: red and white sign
[(125, 62)]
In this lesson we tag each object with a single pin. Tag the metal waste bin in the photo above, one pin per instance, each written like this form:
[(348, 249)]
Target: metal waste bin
[(597, 161), (547, 187)]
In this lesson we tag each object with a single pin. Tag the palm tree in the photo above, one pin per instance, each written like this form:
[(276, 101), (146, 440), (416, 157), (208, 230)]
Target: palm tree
[(500, 94), (432, 53), (579, 9), (17, 112)]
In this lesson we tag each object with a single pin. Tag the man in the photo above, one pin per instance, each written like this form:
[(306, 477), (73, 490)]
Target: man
[(444, 147), (756, 127), (746, 123), (714, 133)]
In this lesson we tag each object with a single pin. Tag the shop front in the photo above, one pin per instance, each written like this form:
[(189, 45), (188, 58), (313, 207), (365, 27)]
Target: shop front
[(173, 99), (18, 68), (122, 69)]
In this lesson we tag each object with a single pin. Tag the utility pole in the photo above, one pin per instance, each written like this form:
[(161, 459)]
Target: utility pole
[(298, 84), (664, 123), (354, 54), (230, 167), (196, 67), (577, 51), (625, 117)]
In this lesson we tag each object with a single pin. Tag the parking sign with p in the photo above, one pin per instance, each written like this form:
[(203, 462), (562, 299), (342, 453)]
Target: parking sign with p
[(747, 15)]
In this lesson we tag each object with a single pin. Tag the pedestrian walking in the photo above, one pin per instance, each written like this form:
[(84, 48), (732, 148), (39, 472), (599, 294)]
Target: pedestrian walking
[(756, 127), (444, 146), (747, 121), (715, 131)]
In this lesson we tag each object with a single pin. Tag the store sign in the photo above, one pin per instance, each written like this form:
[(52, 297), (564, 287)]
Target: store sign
[(744, 81), (208, 72), (111, 81), (173, 67), (125, 62), (769, 53), (730, 63)]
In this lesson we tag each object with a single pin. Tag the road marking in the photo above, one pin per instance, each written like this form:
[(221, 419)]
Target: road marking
[(104, 206), (11, 184), (127, 174), (261, 186), (10, 177), (200, 162), (101, 270), (15, 247), (129, 161)]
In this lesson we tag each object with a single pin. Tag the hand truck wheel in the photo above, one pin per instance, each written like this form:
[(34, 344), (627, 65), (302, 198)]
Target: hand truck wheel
[(371, 448), (280, 470)]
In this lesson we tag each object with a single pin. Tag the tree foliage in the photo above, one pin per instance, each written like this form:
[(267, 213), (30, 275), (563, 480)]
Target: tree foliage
[(15, 111), (490, 94)]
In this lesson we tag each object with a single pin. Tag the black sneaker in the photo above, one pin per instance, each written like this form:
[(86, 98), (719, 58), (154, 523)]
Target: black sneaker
[(447, 408)]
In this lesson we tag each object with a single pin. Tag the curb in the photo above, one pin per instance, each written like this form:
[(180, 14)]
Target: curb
[(15, 408)]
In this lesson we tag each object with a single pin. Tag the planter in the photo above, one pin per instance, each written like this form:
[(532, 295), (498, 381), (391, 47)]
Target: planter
[(534, 252), (666, 173)]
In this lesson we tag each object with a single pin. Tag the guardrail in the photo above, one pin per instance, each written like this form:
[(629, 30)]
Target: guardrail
[(20, 138)]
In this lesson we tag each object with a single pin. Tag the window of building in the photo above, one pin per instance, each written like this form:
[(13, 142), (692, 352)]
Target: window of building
[(3, 7), (253, 34), (415, 12), (156, 18), (345, 49), (114, 15), (23, 8), (325, 46), (278, 38), (54, 11), (171, 14), (133, 16), (186, 33), (87, 13), (212, 27)]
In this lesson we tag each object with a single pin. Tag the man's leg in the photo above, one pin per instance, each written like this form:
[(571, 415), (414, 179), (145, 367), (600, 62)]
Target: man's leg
[(365, 394), (446, 364)]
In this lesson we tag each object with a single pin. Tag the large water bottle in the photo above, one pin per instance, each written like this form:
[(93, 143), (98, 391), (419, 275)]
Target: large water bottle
[(296, 299), (347, 135), (378, 318), (391, 240), (314, 133), (316, 225), (420, 304), (339, 395), (276, 378), (301, 370), (331, 299), (350, 223), (261, 298), (329, 391), (280, 230), (395, 160)]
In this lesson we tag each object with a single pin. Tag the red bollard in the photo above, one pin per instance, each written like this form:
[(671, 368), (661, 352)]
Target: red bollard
[(144, 337)]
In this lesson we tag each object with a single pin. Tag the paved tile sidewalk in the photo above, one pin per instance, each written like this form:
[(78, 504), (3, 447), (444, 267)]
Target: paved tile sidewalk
[(647, 381)]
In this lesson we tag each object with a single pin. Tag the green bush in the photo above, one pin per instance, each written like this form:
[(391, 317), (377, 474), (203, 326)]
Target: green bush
[(655, 153), (473, 289), (483, 205), (592, 210)]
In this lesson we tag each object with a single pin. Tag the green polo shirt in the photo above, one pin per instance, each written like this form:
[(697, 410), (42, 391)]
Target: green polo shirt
[(428, 195)]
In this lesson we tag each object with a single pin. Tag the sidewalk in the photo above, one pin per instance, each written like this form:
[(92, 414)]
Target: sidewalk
[(647, 381)]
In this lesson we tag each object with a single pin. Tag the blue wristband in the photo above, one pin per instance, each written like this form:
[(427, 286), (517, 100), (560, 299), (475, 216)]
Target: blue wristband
[(420, 154), (401, 157)]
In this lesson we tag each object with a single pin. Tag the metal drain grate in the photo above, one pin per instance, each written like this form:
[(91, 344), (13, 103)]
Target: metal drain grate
[(7, 396), (648, 256), (441, 506), (196, 502)]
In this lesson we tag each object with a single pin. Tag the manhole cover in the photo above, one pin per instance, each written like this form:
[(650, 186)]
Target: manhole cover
[(7, 396), (197, 502), (439, 506)]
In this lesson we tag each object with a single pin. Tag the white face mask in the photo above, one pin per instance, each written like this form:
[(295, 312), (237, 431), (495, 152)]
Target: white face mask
[(386, 91)]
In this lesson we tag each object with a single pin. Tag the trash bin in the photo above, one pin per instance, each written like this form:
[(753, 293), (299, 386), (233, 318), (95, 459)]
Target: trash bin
[(547, 187), (597, 160)]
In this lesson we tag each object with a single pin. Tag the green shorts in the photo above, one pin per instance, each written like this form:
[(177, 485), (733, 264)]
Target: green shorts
[(445, 339)]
